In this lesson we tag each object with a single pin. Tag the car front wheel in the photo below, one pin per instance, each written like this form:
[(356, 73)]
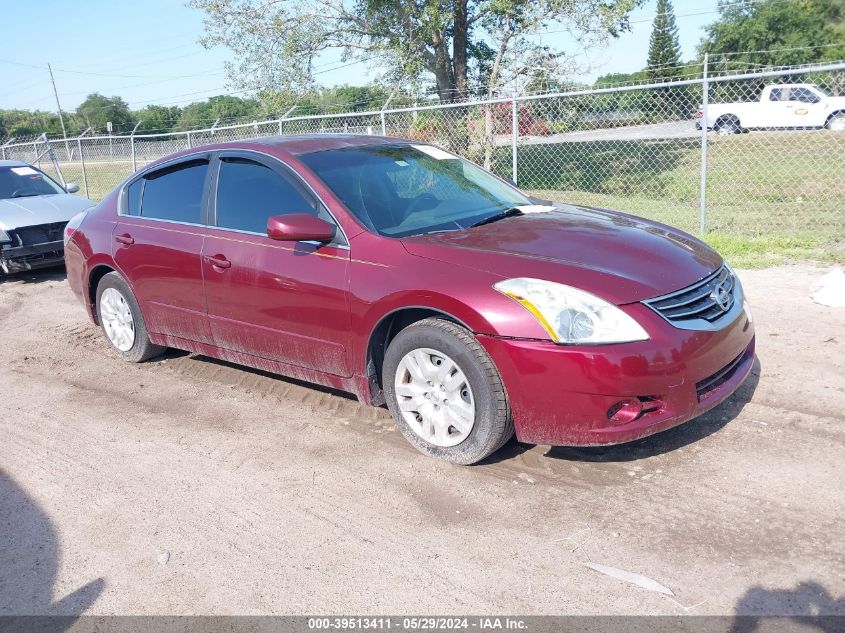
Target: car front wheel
[(836, 122), (121, 320), (445, 393)]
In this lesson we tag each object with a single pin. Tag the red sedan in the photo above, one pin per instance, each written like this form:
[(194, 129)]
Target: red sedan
[(404, 274)]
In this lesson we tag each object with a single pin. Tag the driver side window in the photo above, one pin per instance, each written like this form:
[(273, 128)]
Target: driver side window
[(249, 192)]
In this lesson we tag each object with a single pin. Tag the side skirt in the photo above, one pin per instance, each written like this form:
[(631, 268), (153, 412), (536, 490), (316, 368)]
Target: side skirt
[(356, 385)]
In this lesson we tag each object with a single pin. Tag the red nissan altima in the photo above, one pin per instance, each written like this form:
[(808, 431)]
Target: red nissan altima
[(404, 274)]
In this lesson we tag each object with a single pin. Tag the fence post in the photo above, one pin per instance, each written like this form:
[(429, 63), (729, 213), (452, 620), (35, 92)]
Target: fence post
[(705, 92), (82, 161), (132, 144), (514, 135), (34, 153), (383, 125), (190, 144)]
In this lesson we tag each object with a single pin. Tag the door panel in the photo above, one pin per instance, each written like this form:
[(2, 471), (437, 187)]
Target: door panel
[(283, 301), (280, 300), (162, 264), (158, 243)]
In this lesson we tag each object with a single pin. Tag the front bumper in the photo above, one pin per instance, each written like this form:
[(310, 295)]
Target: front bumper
[(562, 395), (31, 256)]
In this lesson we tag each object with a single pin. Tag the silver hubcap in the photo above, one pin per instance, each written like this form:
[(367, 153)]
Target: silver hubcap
[(434, 397), (117, 319), (837, 124)]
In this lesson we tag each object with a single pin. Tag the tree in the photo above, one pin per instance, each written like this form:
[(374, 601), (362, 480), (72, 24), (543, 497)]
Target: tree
[(224, 107), (777, 33), (462, 44), (28, 124), (156, 118), (98, 110), (664, 50)]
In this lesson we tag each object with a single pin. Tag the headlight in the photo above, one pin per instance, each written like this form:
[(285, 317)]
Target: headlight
[(570, 315)]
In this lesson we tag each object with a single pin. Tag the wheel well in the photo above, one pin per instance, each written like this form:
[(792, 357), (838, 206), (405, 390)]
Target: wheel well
[(385, 332), (94, 277), (728, 118), (835, 113)]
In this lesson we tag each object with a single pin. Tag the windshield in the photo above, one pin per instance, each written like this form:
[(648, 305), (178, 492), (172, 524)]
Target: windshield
[(401, 190), (24, 181)]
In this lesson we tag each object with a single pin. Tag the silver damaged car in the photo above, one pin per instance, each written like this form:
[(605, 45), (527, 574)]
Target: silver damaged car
[(34, 210)]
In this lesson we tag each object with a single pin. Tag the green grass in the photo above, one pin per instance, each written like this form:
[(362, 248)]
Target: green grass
[(101, 177), (771, 197)]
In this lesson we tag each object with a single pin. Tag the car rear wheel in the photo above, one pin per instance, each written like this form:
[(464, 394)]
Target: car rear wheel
[(121, 320), (445, 393), (728, 126)]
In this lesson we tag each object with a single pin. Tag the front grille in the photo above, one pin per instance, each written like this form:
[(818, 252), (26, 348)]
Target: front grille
[(711, 383), (707, 299), (38, 234)]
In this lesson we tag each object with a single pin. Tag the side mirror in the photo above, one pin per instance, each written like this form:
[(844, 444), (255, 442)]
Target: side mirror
[(71, 187), (299, 227)]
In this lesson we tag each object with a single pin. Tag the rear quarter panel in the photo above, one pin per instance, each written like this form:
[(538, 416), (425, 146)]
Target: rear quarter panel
[(90, 247)]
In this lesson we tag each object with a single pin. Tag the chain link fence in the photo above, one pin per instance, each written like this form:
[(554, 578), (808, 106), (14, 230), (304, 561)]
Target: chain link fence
[(770, 161)]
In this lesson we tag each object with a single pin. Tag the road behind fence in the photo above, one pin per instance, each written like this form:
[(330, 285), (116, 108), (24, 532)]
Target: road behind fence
[(633, 148)]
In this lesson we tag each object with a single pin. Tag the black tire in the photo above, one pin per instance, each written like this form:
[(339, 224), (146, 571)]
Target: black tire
[(493, 425), (142, 348), (835, 121), (728, 125)]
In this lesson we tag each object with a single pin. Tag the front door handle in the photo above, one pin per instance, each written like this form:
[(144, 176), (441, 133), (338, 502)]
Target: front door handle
[(125, 239), (217, 260)]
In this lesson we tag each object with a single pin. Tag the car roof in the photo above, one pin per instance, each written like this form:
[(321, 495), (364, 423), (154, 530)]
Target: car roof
[(292, 145), (299, 144), (13, 163)]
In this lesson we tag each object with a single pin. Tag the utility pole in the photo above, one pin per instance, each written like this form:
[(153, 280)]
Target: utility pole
[(59, 106)]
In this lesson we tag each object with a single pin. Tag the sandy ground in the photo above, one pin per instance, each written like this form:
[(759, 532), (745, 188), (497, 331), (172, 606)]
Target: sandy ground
[(186, 486)]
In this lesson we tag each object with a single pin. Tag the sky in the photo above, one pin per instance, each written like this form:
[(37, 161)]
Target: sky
[(147, 51)]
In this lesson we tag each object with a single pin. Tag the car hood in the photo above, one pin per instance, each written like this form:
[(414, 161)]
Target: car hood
[(618, 257), (17, 212)]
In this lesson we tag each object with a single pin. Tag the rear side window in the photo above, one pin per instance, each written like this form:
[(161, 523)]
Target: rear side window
[(175, 193), (133, 197), (248, 193)]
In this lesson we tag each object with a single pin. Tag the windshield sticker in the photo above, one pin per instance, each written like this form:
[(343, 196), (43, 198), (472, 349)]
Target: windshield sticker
[(535, 208), (435, 152), (24, 171)]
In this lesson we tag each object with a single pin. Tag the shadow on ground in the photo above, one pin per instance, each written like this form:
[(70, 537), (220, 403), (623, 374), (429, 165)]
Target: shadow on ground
[(29, 555), (809, 605), (665, 442), (56, 273)]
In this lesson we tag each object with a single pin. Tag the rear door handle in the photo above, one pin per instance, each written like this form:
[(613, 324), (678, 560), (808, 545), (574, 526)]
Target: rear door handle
[(125, 239), (217, 260)]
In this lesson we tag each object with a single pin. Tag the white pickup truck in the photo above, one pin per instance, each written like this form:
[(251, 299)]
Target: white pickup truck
[(781, 106)]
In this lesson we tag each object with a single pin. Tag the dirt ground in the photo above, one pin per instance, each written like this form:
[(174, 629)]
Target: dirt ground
[(186, 486)]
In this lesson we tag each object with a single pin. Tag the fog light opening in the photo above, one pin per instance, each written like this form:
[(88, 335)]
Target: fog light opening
[(625, 411)]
